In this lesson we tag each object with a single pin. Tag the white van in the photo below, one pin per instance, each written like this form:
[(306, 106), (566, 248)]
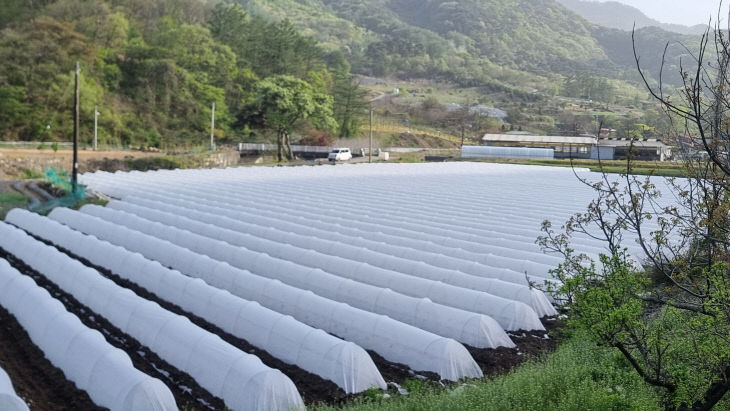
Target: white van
[(340, 154)]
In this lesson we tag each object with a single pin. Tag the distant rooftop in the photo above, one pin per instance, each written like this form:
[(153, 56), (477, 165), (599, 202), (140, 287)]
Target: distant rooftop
[(524, 138), (635, 143), (561, 140)]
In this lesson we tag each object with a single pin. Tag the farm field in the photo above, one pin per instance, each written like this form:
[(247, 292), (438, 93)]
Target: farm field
[(281, 287)]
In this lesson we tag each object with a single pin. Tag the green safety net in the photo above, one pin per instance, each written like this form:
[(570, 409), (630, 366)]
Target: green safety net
[(61, 180)]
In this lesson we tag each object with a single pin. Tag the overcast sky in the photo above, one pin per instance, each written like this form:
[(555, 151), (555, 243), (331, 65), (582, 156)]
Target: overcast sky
[(687, 12)]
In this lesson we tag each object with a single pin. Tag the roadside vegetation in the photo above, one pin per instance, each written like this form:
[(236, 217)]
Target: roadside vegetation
[(579, 375), (650, 168)]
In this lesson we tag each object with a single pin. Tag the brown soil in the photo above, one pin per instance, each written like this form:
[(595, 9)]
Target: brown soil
[(398, 373), (52, 190), (35, 379), (188, 394), (530, 344)]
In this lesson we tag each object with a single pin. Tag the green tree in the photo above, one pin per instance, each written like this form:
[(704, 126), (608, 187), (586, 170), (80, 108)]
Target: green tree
[(229, 23), (38, 58), (284, 101), (349, 104)]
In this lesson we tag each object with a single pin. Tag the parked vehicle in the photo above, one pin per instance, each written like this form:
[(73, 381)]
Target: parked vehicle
[(340, 154)]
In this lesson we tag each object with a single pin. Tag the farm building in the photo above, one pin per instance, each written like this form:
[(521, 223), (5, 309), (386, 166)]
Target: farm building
[(585, 147)]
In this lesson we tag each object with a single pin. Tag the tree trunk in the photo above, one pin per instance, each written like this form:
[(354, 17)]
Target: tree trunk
[(279, 145), (713, 395), (287, 140)]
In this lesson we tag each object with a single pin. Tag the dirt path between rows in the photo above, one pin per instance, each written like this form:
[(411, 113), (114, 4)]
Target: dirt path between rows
[(35, 379), (530, 344)]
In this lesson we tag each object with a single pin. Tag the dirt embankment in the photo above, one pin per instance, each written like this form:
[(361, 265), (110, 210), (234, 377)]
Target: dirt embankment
[(419, 140), (28, 163), (16, 163)]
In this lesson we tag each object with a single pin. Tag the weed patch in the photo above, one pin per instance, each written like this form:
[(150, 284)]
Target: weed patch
[(578, 376), (8, 201)]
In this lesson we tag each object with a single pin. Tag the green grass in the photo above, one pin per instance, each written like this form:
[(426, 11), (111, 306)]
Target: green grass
[(155, 163), (94, 201), (407, 158), (8, 201), (28, 174), (577, 376), (664, 169)]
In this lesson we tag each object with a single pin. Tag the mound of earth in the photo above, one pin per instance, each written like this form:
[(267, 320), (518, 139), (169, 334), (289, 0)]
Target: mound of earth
[(421, 140)]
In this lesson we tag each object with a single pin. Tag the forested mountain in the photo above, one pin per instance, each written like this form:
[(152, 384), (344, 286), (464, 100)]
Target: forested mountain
[(492, 42), (621, 16), (460, 40), (154, 67)]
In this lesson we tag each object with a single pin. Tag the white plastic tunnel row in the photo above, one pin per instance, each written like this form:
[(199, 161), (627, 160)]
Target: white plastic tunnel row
[(261, 221), (492, 250), (240, 379), (313, 350), (557, 190), (9, 400), (335, 257), (299, 270), (394, 340)]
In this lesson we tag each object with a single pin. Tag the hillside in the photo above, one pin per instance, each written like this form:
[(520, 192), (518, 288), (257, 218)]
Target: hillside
[(154, 68), (474, 42), (436, 37), (613, 14)]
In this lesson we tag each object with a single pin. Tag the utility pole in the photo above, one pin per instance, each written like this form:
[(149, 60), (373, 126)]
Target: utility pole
[(75, 169), (370, 150), (212, 128), (463, 123), (96, 123)]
